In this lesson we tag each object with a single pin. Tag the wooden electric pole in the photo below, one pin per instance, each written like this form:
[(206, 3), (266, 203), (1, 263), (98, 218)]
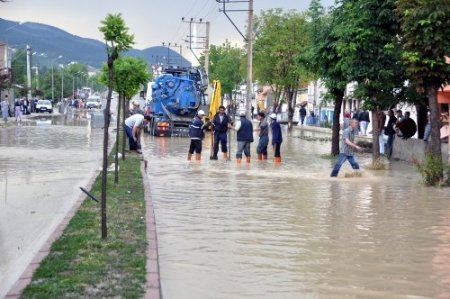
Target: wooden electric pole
[(249, 60)]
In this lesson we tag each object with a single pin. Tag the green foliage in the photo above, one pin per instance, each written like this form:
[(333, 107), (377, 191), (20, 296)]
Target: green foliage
[(225, 65), (369, 44), (431, 169), (425, 29), (19, 67), (279, 41), (129, 74), (115, 33)]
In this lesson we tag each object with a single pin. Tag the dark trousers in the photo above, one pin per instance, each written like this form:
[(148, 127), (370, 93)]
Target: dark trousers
[(195, 146), (341, 159), (222, 138), (389, 145), (262, 145), (277, 148), (133, 143)]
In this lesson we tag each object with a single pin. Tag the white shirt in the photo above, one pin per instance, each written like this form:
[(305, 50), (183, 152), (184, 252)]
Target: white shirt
[(135, 120)]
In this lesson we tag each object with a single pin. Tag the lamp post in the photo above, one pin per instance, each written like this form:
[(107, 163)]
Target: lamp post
[(53, 80), (28, 72), (62, 83), (36, 74)]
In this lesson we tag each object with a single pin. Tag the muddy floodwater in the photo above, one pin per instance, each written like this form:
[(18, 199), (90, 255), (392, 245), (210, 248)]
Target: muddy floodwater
[(43, 162), (290, 231)]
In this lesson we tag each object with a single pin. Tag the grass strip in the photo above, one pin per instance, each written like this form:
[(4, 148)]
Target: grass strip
[(81, 264)]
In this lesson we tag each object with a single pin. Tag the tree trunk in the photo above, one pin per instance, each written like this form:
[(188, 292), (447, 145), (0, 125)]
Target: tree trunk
[(124, 135), (116, 158), (105, 147), (338, 95), (422, 119), (435, 140), (375, 135), (290, 98)]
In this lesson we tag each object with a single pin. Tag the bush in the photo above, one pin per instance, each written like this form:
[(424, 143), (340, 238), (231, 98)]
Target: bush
[(432, 170)]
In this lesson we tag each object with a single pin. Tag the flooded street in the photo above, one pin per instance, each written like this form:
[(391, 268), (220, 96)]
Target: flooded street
[(43, 162), (290, 231)]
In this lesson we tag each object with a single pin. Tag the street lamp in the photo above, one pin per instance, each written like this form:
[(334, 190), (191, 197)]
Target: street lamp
[(53, 82), (36, 75), (73, 82), (62, 82)]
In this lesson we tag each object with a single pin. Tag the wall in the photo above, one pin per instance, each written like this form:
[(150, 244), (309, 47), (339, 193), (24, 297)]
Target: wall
[(414, 149)]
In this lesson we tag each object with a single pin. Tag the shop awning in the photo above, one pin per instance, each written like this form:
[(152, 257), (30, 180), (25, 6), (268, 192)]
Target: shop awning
[(444, 95)]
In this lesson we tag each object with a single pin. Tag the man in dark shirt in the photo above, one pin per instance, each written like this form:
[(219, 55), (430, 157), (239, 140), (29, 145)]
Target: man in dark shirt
[(220, 123)]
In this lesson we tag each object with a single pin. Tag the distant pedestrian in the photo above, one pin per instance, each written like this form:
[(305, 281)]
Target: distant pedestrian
[(5, 108), (263, 129), (25, 106), (347, 148), (18, 110), (133, 126), (427, 132), (347, 117), (381, 121), (220, 122), (390, 132), (136, 108), (364, 120), (302, 114), (197, 133), (277, 137), (244, 136), (406, 127)]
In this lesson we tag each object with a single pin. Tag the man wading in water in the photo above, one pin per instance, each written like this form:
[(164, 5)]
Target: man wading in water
[(347, 146)]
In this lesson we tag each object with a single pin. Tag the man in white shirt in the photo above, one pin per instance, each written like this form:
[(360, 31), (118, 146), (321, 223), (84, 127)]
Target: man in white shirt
[(132, 127)]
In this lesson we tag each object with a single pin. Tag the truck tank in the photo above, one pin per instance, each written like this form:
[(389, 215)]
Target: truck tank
[(176, 96)]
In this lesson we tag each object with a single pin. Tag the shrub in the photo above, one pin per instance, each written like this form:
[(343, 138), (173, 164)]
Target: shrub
[(432, 170)]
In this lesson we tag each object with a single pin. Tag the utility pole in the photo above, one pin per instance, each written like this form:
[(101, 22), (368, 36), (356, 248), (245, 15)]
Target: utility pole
[(249, 39), (201, 45), (29, 72), (207, 50), (249, 60), (175, 45)]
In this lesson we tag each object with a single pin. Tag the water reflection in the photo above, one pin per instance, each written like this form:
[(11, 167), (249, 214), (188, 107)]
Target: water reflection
[(41, 169), (260, 231)]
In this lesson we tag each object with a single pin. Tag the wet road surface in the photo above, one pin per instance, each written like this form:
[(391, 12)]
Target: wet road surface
[(43, 162), (290, 231)]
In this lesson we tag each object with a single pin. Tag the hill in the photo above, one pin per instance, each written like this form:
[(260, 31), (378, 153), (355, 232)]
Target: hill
[(52, 42)]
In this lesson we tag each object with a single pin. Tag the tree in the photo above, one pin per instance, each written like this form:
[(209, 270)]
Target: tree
[(369, 44), (19, 70), (129, 74), (324, 59), (225, 61), (425, 37), (316, 16), (117, 40), (278, 44)]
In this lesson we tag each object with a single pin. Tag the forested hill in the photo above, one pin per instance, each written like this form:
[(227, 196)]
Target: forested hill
[(54, 42)]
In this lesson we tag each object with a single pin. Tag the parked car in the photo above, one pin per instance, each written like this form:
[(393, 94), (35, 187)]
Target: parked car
[(44, 106), (93, 102)]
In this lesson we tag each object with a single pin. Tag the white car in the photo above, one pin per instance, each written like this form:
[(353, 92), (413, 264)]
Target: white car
[(44, 106), (93, 102)]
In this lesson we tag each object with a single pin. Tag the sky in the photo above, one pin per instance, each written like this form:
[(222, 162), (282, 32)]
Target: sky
[(151, 21)]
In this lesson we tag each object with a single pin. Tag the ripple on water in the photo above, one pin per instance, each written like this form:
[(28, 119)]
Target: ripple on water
[(289, 231)]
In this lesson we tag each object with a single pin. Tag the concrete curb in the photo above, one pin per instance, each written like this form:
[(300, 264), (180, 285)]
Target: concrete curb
[(25, 279), (153, 283)]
